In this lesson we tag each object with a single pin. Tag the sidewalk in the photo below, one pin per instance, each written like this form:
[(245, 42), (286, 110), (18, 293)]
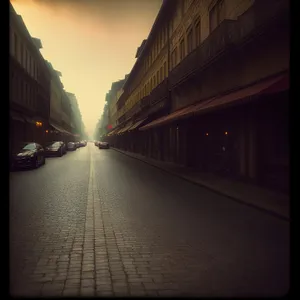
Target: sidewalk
[(264, 199)]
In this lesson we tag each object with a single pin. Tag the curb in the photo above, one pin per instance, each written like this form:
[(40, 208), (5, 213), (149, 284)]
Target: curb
[(266, 210)]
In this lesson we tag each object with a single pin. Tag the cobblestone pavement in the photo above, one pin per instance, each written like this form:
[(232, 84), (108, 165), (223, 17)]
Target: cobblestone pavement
[(99, 223)]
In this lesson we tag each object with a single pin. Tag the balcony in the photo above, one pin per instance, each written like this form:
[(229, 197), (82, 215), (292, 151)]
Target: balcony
[(222, 38), (133, 111), (230, 33), (159, 93)]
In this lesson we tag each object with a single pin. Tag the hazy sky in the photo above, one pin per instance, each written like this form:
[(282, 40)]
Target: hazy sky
[(91, 42)]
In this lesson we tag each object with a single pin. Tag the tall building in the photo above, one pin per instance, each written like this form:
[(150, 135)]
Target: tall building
[(110, 116), (29, 85), (76, 122), (209, 90)]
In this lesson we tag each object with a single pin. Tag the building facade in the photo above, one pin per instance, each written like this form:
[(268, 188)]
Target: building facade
[(73, 111), (29, 86), (209, 90), (109, 121)]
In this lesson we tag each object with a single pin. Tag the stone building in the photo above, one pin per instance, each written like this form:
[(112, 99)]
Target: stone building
[(29, 86), (209, 90)]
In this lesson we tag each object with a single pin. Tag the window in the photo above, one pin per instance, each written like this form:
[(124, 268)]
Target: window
[(158, 41), (198, 33), (182, 52), (26, 59), (190, 41), (22, 54), (174, 57), (30, 65), (15, 45), (25, 93), (216, 15)]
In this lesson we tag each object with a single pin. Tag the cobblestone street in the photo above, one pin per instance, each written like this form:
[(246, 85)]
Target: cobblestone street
[(99, 223)]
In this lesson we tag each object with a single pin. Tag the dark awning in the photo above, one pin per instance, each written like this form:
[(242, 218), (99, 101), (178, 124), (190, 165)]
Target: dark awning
[(113, 132), (268, 86), (136, 125), (17, 117), (58, 128), (29, 120), (124, 129), (181, 113)]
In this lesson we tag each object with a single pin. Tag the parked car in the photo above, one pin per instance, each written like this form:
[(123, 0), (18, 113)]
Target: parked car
[(96, 143), (30, 155), (56, 148), (82, 143), (77, 144), (71, 146), (103, 145)]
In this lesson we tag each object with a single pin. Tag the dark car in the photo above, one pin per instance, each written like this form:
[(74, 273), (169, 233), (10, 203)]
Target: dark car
[(103, 145), (96, 143), (71, 146), (82, 143), (30, 155), (56, 148)]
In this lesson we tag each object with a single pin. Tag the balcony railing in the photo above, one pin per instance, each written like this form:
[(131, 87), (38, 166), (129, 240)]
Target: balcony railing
[(218, 41), (133, 110), (159, 93), (230, 33)]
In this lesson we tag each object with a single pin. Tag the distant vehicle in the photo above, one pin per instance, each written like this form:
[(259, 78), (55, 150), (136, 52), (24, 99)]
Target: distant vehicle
[(82, 143), (96, 143), (71, 146), (103, 145), (77, 144), (56, 148), (30, 155)]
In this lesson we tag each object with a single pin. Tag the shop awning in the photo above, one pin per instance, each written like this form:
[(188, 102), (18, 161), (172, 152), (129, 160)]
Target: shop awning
[(58, 128), (17, 117), (118, 130), (113, 131), (136, 125), (124, 129), (67, 132), (268, 86), (181, 113), (29, 120)]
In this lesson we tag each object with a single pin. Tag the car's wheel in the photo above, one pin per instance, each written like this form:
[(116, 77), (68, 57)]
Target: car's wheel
[(60, 153), (44, 160)]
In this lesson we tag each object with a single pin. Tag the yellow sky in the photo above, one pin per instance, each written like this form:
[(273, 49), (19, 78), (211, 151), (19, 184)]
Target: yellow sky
[(91, 42)]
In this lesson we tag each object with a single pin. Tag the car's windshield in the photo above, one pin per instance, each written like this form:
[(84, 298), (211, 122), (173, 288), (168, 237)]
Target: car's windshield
[(55, 144), (31, 146)]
